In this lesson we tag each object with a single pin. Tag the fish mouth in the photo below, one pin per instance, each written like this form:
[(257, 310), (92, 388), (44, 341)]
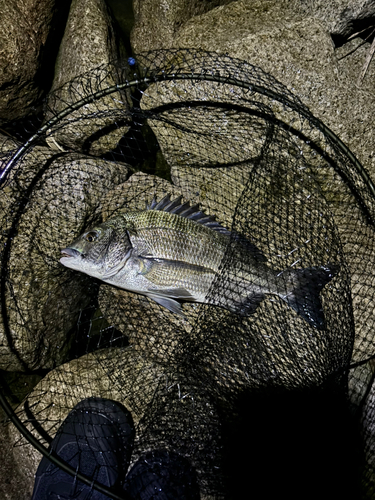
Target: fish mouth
[(70, 252)]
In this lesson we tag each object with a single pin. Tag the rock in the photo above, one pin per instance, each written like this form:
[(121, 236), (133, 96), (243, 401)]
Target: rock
[(357, 102), (136, 193), (339, 16), (151, 329), (29, 34), (203, 134), (90, 40), (359, 244), (16, 483), (146, 390), (90, 59), (157, 22), (359, 379), (41, 309), (297, 50), (44, 299), (206, 185)]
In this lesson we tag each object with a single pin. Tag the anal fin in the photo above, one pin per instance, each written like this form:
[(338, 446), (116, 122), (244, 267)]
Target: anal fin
[(169, 303)]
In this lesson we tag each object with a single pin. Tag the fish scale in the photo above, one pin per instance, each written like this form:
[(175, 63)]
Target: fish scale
[(172, 237)]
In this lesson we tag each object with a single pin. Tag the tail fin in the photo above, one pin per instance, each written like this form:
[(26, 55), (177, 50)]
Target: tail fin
[(302, 288)]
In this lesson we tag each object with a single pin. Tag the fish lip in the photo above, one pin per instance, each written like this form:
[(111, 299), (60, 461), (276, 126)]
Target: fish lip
[(70, 252)]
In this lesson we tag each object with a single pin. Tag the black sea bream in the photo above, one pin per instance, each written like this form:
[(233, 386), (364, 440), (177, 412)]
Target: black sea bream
[(173, 252)]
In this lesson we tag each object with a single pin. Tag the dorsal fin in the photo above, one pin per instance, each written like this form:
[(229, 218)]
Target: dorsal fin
[(185, 210)]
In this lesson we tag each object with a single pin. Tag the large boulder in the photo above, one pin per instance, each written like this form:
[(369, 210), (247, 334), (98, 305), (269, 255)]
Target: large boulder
[(29, 37), (298, 51), (157, 22), (14, 485), (91, 58)]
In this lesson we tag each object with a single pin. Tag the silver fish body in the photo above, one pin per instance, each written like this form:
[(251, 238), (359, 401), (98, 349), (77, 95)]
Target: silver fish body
[(171, 252)]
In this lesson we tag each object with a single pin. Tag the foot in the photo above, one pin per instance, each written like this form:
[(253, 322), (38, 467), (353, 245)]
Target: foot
[(162, 475), (96, 439)]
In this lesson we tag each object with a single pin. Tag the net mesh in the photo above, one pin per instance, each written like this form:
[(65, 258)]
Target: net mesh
[(215, 386)]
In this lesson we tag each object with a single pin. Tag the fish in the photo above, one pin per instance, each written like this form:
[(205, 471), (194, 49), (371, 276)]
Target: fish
[(172, 253)]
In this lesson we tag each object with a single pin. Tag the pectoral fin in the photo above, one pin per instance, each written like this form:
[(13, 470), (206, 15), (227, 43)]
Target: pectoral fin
[(170, 304)]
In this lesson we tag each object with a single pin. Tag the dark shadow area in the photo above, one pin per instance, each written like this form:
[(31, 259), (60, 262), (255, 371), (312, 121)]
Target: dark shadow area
[(122, 11), (49, 51), (22, 129), (294, 445), (16, 385), (364, 27), (139, 147)]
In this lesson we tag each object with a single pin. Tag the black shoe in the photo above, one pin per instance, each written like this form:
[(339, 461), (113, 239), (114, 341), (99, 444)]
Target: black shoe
[(162, 475), (96, 439)]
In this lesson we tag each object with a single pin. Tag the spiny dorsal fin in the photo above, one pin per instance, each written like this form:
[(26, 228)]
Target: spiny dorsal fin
[(185, 210)]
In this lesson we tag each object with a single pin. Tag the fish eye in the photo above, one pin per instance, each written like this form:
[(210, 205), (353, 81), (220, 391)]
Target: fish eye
[(91, 236)]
